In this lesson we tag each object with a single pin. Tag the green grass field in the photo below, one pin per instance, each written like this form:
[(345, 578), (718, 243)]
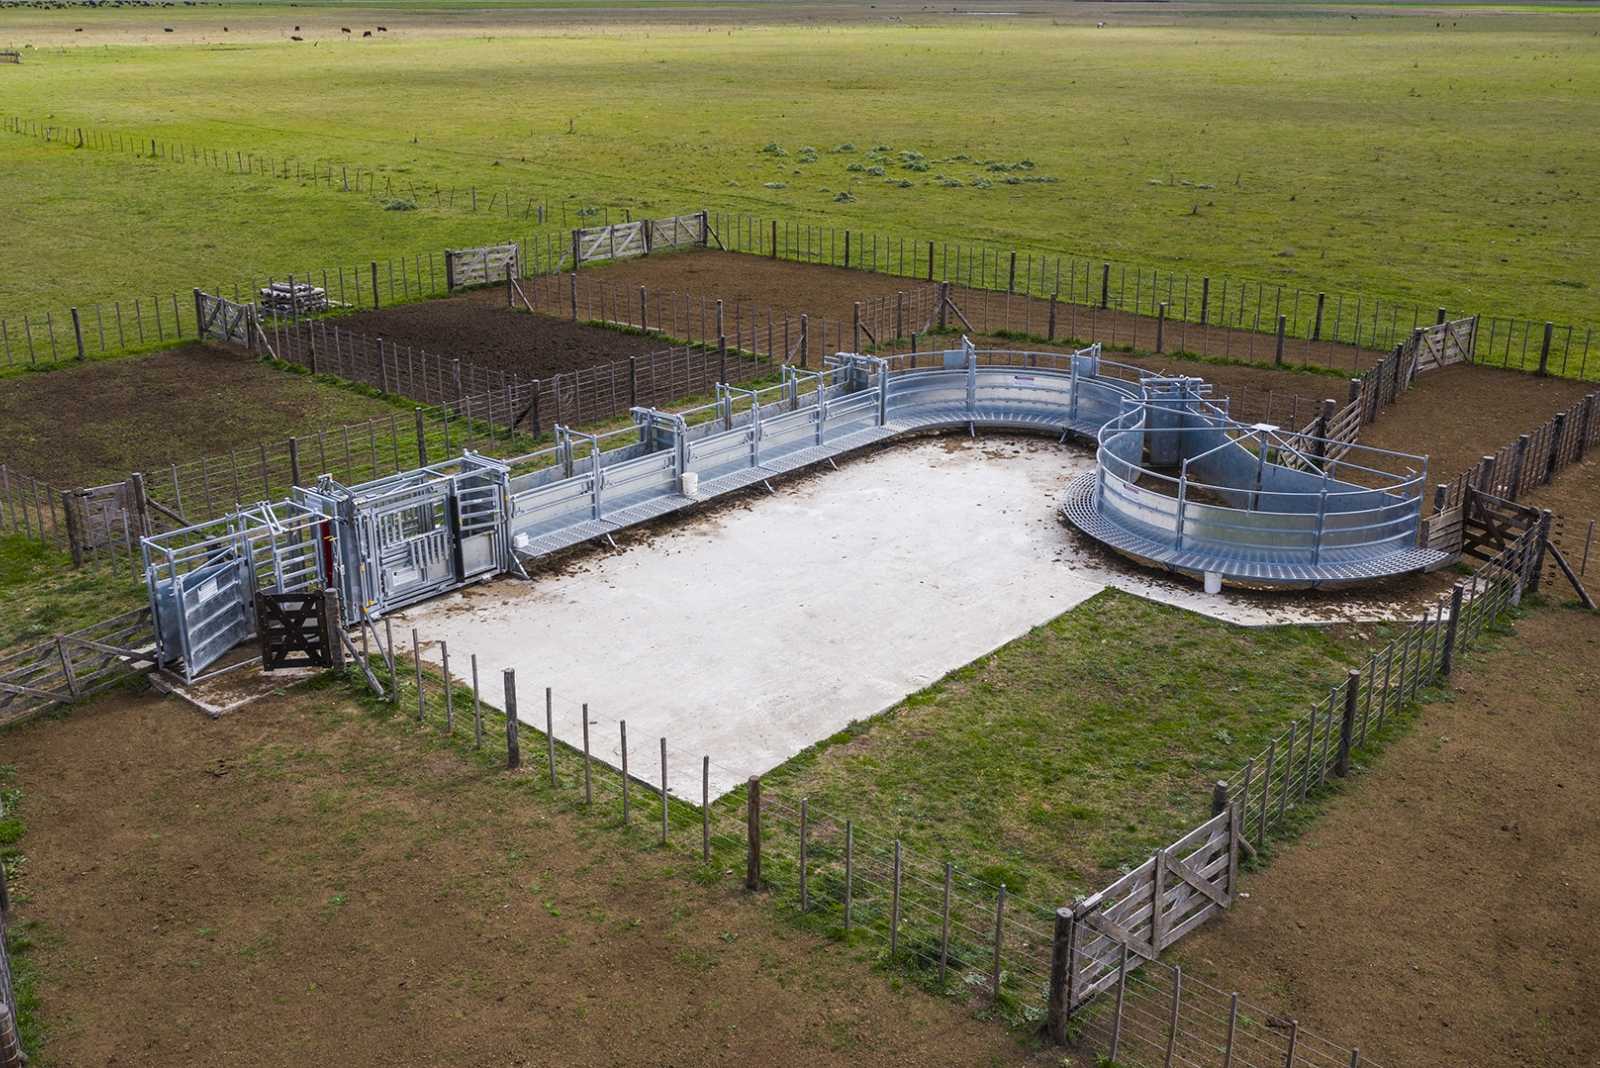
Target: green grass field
[(1385, 154)]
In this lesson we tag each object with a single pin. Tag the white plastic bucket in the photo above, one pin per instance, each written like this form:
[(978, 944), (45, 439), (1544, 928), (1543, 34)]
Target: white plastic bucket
[(1213, 582), (689, 484)]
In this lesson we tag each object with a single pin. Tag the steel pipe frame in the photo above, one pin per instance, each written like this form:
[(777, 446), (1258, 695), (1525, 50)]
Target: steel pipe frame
[(813, 416)]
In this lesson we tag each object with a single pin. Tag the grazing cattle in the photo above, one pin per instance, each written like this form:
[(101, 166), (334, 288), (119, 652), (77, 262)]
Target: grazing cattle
[(1099, 25), (344, 29), (166, 29), (383, 29), (366, 33), (296, 37)]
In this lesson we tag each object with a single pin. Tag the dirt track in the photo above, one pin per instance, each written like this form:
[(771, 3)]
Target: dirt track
[(295, 884)]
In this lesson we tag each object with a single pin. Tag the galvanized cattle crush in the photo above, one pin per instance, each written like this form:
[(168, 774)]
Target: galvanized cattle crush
[(413, 535)]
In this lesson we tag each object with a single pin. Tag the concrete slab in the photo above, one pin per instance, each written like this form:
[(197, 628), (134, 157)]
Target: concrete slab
[(760, 627)]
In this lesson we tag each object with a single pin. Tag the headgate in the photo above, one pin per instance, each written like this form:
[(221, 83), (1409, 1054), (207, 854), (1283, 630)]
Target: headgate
[(411, 535)]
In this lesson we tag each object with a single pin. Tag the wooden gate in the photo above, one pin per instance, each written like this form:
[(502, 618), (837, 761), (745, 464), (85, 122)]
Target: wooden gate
[(299, 629), (1445, 344), (481, 266), (101, 516), (1176, 890), (224, 319)]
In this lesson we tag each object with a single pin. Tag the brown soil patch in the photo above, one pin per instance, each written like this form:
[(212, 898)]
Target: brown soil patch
[(299, 884), (480, 328), (1458, 415), (830, 292), (1441, 911), (86, 424)]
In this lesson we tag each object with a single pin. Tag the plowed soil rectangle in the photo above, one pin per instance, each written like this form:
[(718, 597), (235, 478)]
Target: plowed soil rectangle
[(481, 328)]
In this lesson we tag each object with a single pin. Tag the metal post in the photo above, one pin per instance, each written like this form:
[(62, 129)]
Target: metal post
[(664, 808), (944, 922), (705, 810), (449, 698), (805, 897), (622, 726), (849, 873), (416, 658), (894, 906), (550, 734)]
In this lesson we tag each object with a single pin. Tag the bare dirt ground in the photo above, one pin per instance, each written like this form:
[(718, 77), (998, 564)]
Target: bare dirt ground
[(1459, 414), (830, 292), (298, 883), (86, 424), (1441, 910), (479, 328)]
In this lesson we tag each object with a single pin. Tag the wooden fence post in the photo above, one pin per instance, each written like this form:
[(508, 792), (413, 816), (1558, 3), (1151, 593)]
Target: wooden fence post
[(1051, 335), (1543, 539), (1584, 424), (847, 246), (1544, 348), (77, 333), (422, 440), (855, 327), (1447, 656), (944, 306), (1515, 490), (1277, 358), (294, 462), (774, 252), (577, 250), (375, 301), (1316, 324), (930, 261), (1161, 326), (1552, 461), (644, 311), (1105, 285), (513, 749), (1060, 964), (1205, 300), (572, 290), (1011, 277), (752, 856), (1347, 723)]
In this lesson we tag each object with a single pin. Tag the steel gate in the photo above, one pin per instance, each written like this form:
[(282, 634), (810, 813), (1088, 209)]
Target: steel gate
[(203, 579)]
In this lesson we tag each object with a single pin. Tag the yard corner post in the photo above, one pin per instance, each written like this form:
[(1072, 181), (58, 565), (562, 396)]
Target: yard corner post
[(374, 268), (752, 861), (1277, 353), (1061, 946)]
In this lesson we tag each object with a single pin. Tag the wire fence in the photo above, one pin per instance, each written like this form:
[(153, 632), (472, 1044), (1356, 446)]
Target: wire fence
[(40, 340), (937, 925), (334, 175), (1244, 317)]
